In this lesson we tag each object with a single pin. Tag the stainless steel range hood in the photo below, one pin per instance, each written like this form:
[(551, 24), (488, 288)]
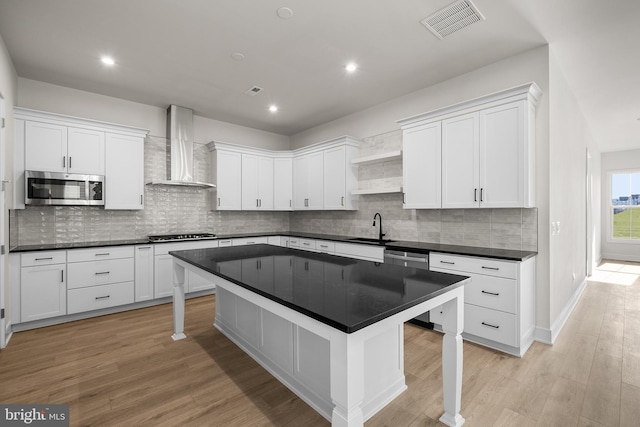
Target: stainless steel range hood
[(180, 149)]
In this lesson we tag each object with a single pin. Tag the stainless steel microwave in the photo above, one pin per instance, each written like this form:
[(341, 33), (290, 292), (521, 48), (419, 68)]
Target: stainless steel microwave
[(63, 189)]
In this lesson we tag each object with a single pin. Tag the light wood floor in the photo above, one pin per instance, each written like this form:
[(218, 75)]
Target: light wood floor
[(124, 369)]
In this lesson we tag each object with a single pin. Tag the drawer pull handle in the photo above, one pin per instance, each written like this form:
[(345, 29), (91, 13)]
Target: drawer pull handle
[(490, 325), (324, 246), (491, 268), (307, 244), (104, 297), (102, 272), (251, 243), (103, 254), (144, 247), (44, 259), (491, 293), (447, 262)]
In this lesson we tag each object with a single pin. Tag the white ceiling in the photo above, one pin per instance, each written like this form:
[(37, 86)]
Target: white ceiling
[(179, 52)]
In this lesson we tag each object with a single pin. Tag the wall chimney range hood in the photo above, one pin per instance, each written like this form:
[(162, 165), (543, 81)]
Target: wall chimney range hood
[(180, 149)]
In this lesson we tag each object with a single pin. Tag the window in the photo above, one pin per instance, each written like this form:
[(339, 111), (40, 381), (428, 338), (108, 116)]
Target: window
[(625, 206)]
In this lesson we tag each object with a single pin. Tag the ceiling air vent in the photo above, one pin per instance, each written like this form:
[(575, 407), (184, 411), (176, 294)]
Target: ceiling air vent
[(253, 91), (452, 18)]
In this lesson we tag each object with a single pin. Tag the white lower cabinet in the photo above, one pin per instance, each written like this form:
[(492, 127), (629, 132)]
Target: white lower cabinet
[(144, 273), (43, 286), (499, 309), (163, 268), (100, 278), (97, 297)]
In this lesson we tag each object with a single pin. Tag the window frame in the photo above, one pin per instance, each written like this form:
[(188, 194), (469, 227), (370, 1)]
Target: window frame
[(610, 207)]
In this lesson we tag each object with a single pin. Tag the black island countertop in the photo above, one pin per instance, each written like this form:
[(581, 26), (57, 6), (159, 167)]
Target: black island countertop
[(344, 293), (396, 245)]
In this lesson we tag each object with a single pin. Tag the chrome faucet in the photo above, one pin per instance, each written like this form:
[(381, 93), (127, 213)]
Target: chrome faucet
[(380, 233)]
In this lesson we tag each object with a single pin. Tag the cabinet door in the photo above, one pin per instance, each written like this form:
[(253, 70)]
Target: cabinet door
[(300, 182), (460, 176), (315, 181), (283, 184), (228, 180), (124, 173), (198, 283), (334, 175), (163, 276), (265, 183), (43, 292), (143, 273), (250, 198), (502, 156), (45, 147), (421, 167), (85, 151)]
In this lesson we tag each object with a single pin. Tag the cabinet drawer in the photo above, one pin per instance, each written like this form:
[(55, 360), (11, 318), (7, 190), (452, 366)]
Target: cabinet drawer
[(365, 252), (487, 266), (93, 273), (97, 297), (491, 324), (496, 293), (308, 244), (294, 242), (32, 259), (165, 248), (250, 241), (224, 243), (326, 247), (113, 252)]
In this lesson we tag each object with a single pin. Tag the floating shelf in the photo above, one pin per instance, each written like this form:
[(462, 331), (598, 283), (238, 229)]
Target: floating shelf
[(383, 157), (377, 191)]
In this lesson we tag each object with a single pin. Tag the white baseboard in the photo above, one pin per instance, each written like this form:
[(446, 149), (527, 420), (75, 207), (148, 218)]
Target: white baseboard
[(8, 333), (548, 336), (620, 257)]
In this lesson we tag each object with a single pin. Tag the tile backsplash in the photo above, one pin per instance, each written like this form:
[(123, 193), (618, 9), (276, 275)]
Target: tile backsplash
[(183, 209)]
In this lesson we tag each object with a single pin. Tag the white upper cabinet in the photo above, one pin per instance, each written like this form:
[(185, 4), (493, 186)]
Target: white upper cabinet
[(227, 178), (487, 152), (257, 182), (317, 177), (308, 181), (460, 176), (340, 177), (283, 183), (56, 148), (45, 147), (124, 171), (85, 151), (50, 142), (421, 167), (505, 156)]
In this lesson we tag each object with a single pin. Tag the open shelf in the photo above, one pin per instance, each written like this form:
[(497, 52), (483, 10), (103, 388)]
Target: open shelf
[(377, 190), (383, 157)]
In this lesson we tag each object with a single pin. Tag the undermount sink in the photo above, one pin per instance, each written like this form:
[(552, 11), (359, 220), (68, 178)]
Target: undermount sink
[(370, 240)]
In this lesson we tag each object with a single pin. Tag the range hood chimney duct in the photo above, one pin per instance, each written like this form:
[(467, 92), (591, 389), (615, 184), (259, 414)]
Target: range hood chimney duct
[(180, 149)]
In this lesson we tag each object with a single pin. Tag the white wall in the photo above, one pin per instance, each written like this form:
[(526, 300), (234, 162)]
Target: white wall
[(529, 66), (63, 100), (616, 161), (569, 140), (8, 91)]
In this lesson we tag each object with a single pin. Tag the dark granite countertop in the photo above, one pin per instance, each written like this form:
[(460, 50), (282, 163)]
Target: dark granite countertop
[(347, 294), (406, 246)]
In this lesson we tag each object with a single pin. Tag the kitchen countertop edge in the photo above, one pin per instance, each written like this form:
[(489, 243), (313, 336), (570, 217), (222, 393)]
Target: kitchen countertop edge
[(405, 246)]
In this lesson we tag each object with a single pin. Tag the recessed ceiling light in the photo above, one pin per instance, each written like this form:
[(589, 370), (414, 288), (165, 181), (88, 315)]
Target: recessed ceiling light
[(273, 108), (284, 13), (351, 67), (107, 60), (237, 56)]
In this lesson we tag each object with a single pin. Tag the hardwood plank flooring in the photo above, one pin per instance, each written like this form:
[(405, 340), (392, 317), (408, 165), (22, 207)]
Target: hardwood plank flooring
[(124, 369)]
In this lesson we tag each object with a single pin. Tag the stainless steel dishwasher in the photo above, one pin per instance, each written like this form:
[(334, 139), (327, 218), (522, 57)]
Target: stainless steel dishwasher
[(414, 260)]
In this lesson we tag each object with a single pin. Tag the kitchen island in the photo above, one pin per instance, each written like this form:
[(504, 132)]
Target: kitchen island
[(329, 328)]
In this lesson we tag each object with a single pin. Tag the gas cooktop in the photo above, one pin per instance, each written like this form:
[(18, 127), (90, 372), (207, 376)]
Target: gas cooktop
[(181, 237)]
